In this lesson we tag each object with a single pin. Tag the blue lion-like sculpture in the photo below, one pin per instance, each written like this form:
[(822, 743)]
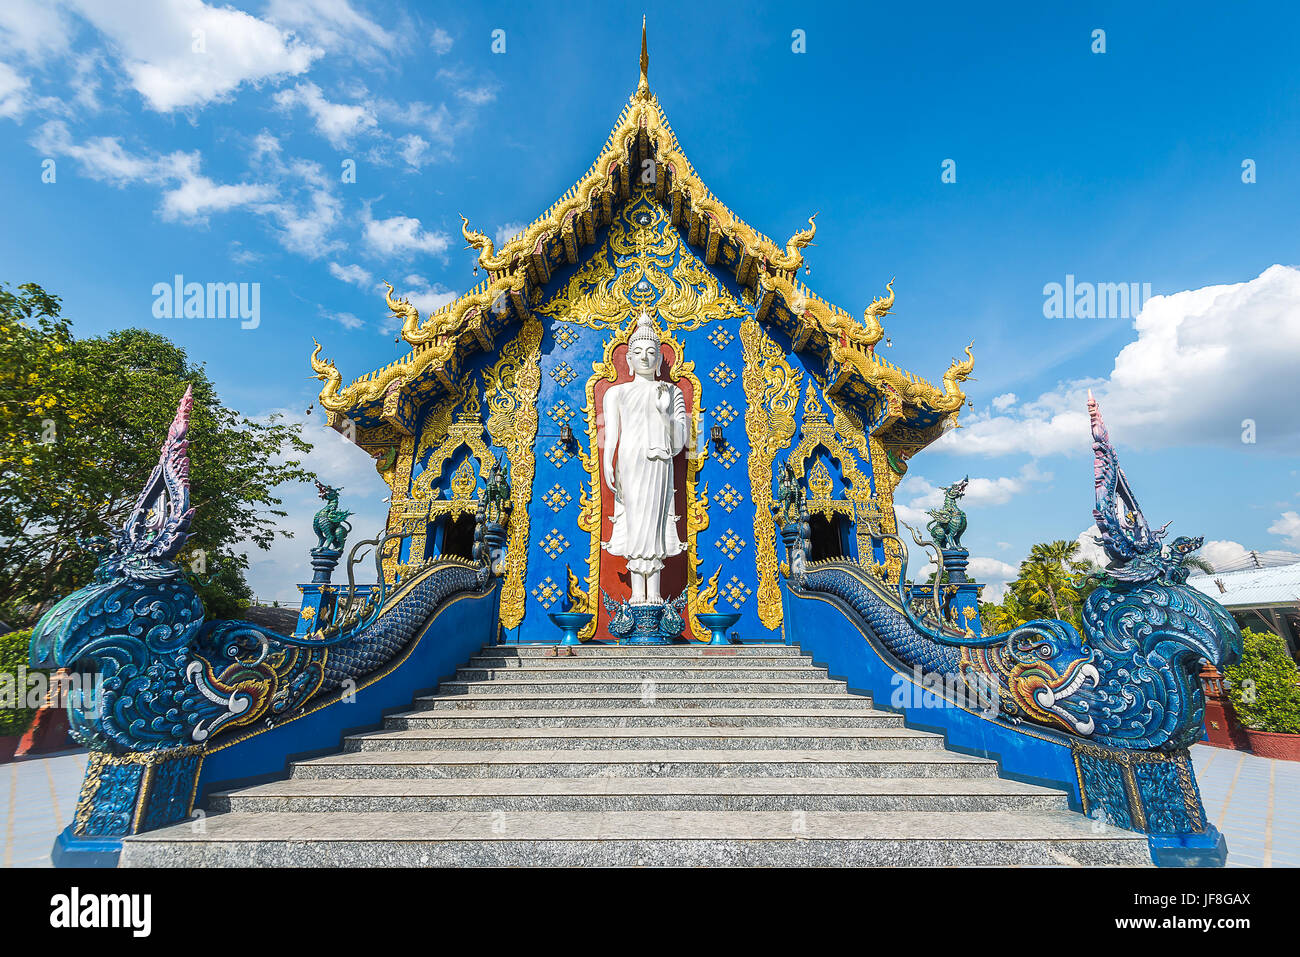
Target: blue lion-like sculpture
[(167, 678), (1130, 681)]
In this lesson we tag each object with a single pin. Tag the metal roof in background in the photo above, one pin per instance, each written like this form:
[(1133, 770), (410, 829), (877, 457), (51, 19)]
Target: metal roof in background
[(1252, 587)]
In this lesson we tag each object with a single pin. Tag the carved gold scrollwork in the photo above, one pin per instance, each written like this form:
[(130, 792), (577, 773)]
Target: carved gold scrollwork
[(817, 431), (396, 511), (771, 393), (601, 294), (886, 481), (511, 387)]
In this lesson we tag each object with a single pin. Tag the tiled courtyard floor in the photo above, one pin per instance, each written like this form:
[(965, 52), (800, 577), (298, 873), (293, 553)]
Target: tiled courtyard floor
[(1254, 801), (37, 798)]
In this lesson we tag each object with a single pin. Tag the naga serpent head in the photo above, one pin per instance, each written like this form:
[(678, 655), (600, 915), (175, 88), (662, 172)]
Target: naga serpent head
[(129, 628), (328, 491), (1040, 671), (1182, 546)]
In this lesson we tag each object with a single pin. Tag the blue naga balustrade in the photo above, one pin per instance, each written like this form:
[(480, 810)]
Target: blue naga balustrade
[(187, 706), (1106, 716)]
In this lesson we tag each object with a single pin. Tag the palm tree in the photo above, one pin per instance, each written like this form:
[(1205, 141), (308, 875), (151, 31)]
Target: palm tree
[(1053, 572), (1051, 580)]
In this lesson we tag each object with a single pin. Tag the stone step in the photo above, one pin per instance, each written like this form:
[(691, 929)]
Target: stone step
[(660, 699), (371, 795), (646, 718), (640, 661), (610, 838), (598, 669), (689, 762), (644, 739), (667, 686), (773, 650)]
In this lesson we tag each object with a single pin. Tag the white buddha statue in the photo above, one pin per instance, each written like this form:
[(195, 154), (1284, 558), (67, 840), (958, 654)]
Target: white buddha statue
[(645, 427)]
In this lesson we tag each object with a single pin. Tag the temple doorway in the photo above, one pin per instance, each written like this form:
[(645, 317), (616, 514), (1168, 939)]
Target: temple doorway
[(829, 537), (454, 535)]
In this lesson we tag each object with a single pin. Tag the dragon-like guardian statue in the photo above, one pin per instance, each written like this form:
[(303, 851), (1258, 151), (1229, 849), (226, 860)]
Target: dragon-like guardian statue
[(1130, 681), (948, 522), (168, 678), (331, 523)]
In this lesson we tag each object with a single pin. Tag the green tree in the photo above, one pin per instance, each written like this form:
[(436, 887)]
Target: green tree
[(1264, 685), (13, 667), (81, 423), (1052, 582)]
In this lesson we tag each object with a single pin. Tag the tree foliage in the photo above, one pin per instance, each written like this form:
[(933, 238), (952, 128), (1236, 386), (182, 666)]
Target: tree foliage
[(1264, 685), (81, 424), (13, 674), (1051, 583)]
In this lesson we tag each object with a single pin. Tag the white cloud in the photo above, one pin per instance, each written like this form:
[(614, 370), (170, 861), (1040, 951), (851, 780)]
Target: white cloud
[(463, 85), (508, 232), (401, 236), (100, 157), (1204, 361), (1288, 527), (992, 573), (85, 82), (34, 28), (1004, 401), (334, 24), (195, 195), (308, 209), (415, 151), (923, 495), (13, 92), (436, 129), (1089, 550), (337, 122), (188, 195), (441, 41), (425, 296), (478, 95), (346, 319), (242, 256), (298, 200), (305, 227), (354, 274), (179, 54)]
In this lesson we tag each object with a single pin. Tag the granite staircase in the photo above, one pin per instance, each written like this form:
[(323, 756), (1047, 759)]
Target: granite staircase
[(672, 755)]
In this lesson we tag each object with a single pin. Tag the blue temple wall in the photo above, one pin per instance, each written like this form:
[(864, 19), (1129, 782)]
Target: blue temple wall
[(572, 343)]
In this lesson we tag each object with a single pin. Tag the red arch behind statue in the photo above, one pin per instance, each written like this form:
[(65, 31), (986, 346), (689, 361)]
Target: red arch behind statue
[(614, 580)]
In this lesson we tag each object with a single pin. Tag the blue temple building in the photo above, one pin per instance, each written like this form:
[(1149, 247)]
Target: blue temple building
[(517, 368), (511, 672)]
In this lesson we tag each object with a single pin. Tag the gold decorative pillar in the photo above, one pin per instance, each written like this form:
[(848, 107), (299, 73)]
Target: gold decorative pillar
[(771, 393), (512, 385)]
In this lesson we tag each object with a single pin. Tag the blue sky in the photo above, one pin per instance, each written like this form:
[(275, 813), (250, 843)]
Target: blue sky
[(218, 154)]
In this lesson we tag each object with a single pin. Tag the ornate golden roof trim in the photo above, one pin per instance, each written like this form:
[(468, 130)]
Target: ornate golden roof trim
[(520, 268)]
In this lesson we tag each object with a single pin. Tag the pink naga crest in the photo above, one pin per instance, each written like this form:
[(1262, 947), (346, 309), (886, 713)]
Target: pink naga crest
[(160, 523), (1125, 533)]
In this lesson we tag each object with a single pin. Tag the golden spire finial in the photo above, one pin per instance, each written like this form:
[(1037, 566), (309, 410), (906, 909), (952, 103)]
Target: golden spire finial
[(643, 85)]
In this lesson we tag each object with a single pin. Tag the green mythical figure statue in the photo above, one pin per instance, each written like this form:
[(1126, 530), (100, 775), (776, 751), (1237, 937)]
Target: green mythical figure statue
[(788, 503), (948, 523), (330, 524)]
